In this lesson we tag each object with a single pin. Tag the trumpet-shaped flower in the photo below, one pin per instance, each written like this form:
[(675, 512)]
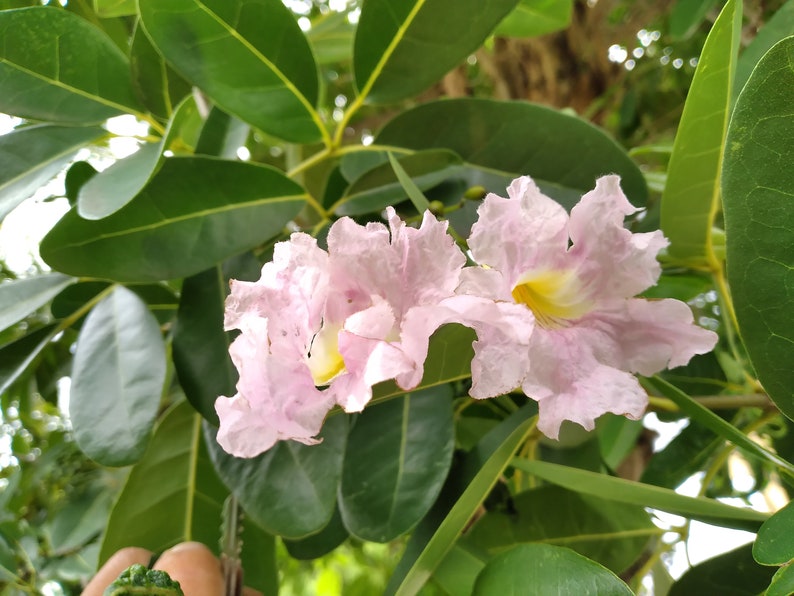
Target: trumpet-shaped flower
[(578, 275), (320, 328)]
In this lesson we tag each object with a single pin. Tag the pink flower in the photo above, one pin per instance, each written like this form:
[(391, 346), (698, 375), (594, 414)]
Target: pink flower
[(578, 276), (321, 328)]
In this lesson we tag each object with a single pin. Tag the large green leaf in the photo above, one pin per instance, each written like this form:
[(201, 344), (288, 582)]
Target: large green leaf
[(758, 196), (117, 379), (321, 543), (55, 66), (516, 138), (173, 495), (402, 47), (249, 56), (536, 17), (774, 545), (635, 493), (542, 569), (33, 155), (781, 25), (691, 196), (21, 297), (733, 573), (398, 455), (194, 213), (613, 534), (289, 490), (437, 533), (107, 192), (157, 85)]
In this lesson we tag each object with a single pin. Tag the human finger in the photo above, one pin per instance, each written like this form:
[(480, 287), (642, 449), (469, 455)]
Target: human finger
[(194, 566), (113, 568)]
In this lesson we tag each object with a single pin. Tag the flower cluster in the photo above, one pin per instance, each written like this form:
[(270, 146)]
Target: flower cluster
[(551, 299)]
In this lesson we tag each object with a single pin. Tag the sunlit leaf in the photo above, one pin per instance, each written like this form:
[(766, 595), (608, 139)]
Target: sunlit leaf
[(758, 196), (331, 36), (57, 67), (691, 196), (117, 379), (536, 17), (16, 356), (194, 213), (249, 56)]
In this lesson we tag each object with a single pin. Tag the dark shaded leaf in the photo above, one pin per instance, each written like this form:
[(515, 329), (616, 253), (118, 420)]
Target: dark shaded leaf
[(194, 213)]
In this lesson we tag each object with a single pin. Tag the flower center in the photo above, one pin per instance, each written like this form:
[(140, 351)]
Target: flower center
[(554, 297), (324, 360)]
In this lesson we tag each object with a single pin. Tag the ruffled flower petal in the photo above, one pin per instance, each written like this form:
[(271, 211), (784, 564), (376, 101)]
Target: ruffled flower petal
[(578, 276)]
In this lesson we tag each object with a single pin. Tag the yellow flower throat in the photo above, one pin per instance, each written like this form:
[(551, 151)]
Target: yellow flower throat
[(554, 297)]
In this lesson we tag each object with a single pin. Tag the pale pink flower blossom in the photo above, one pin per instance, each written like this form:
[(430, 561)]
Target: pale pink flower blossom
[(320, 328), (579, 274)]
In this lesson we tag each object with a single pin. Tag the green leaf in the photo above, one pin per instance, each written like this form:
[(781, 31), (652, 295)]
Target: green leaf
[(733, 573), (781, 25), (635, 493), (57, 67), (394, 39), (156, 84), (380, 186), (117, 379), (16, 356), (719, 426), (421, 204), (80, 520), (222, 135), (610, 533), (541, 569), (224, 207), (782, 582), (32, 155), (107, 192), (517, 138), (289, 490), (201, 346), (686, 17), (448, 359), (321, 543), (172, 494), (248, 56), (758, 196), (114, 8), (398, 455), (536, 17), (431, 543), (21, 297), (774, 545), (691, 196), (331, 36)]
